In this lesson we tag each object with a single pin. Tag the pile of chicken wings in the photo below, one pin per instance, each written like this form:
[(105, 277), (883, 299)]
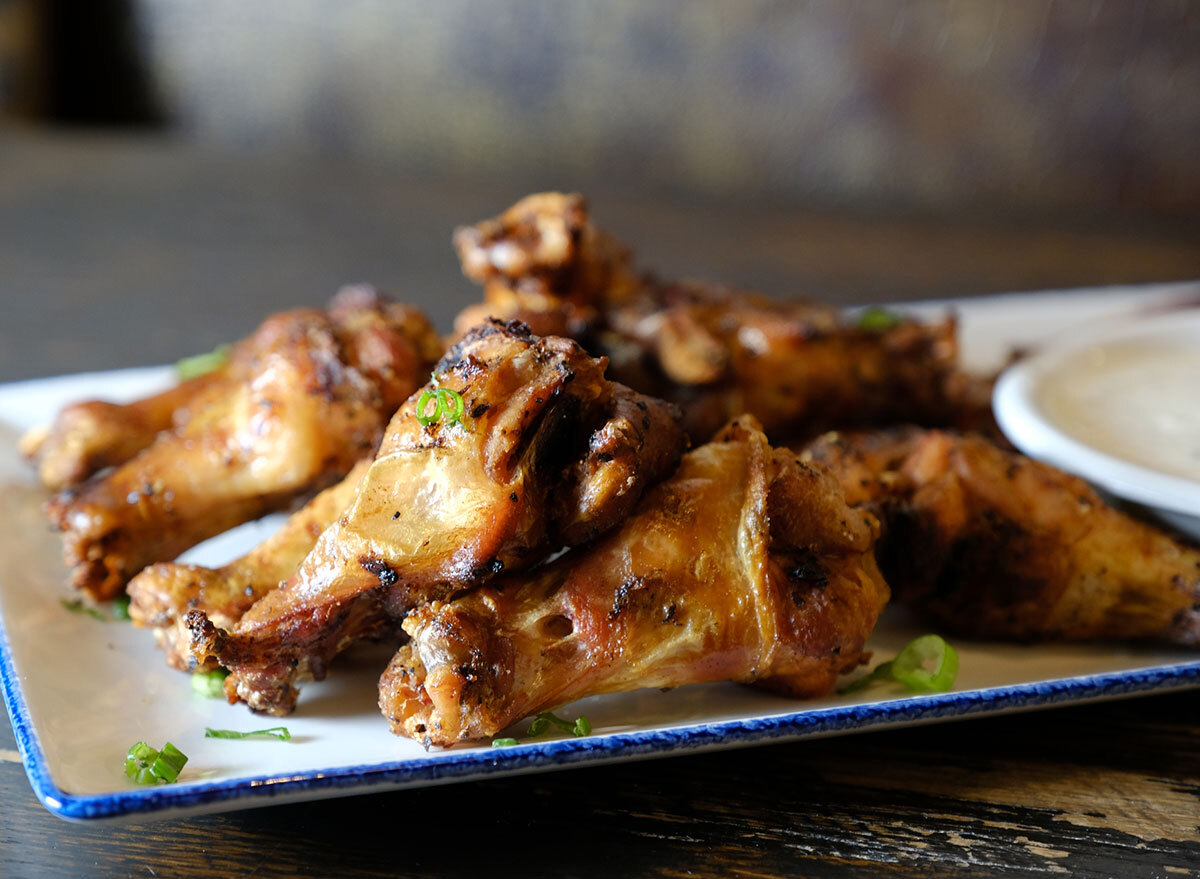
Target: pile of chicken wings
[(602, 481)]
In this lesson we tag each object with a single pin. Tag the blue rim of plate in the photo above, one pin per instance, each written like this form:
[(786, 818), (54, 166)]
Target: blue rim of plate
[(348, 780)]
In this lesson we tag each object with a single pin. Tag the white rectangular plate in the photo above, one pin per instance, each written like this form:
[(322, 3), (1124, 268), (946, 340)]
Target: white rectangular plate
[(80, 692)]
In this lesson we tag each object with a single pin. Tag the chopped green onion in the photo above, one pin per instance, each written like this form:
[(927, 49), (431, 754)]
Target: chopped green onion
[(581, 727), (424, 399), (169, 763), (926, 665), (210, 683), (449, 405), (876, 319), (276, 732), (202, 364), (120, 608), (542, 722), (145, 765), (77, 606)]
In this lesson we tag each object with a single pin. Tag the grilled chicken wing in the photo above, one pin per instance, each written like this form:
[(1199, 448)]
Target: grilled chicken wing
[(992, 544), (544, 263), (313, 399), (798, 367), (87, 437), (745, 565), (162, 594), (548, 453)]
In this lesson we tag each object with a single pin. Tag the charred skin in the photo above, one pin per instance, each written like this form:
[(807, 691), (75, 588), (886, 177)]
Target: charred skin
[(544, 263), (796, 366), (991, 544), (799, 367), (744, 566), (310, 396), (544, 455)]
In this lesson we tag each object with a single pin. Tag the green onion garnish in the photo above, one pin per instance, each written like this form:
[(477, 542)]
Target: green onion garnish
[(926, 665), (581, 727), (120, 608), (543, 721), (876, 319), (448, 404), (145, 765), (77, 606), (275, 732), (210, 683), (202, 364)]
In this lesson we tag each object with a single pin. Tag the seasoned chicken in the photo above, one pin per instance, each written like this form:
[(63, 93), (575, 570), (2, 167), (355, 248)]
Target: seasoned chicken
[(547, 452), (992, 544), (544, 263), (94, 434), (162, 594), (798, 367), (744, 566), (313, 399)]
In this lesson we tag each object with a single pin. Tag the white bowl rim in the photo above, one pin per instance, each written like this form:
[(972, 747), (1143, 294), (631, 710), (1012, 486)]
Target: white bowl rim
[(1014, 402)]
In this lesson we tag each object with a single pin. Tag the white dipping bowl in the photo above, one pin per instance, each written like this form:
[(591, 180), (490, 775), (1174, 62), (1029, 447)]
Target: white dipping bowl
[(1120, 406)]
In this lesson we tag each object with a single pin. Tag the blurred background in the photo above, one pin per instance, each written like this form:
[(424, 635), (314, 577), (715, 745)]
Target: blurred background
[(188, 165)]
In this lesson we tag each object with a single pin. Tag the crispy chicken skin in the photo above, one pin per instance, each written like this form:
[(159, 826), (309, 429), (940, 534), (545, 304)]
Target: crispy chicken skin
[(314, 396), (94, 434), (798, 367), (992, 544), (746, 565), (548, 452), (544, 263), (162, 594)]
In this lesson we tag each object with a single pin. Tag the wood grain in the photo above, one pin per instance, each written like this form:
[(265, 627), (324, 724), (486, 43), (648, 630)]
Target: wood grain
[(117, 252)]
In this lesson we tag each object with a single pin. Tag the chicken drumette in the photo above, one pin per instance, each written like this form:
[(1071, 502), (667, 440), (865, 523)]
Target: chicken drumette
[(546, 453), (799, 367), (303, 399), (746, 565), (992, 544)]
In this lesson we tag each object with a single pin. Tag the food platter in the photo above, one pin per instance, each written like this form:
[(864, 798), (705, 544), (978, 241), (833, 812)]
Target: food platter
[(80, 691)]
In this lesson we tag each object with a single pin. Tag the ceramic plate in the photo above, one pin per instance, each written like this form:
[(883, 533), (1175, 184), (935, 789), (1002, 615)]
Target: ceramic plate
[(80, 691)]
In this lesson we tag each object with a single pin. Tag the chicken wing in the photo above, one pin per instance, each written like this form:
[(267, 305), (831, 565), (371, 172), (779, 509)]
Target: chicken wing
[(314, 399), (544, 263), (88, 436), (162, 594), (992, 544), (798, 367), (745, 566), (547, 452)]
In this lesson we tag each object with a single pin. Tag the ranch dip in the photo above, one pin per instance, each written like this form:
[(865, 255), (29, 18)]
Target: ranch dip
[(1136, 399)]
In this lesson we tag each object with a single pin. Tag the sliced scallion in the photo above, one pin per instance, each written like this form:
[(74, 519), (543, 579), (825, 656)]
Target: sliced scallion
[(146, 765), (926, 665), (76, 606), (877, 320), (210, 683), (120, 608), (504, 743), (275, 732), (202, 364)]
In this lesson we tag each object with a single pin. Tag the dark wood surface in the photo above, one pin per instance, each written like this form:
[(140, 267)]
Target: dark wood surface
[(120, 252)]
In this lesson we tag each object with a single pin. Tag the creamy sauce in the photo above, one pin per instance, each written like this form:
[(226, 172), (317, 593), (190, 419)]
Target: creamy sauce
[(1136, 400)]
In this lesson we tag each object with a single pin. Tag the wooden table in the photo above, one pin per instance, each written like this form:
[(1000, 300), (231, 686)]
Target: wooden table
[(117, 252)]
